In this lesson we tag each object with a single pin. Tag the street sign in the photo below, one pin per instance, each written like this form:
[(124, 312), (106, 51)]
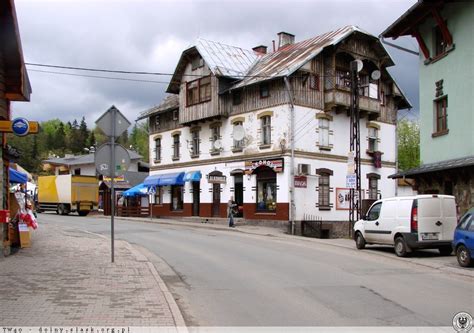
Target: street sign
[(106, 123), (102, 160), (351, 181), (152, 190), (19, 126)]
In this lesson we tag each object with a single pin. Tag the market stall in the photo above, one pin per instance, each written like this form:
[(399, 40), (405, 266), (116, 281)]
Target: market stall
[(135, 201)]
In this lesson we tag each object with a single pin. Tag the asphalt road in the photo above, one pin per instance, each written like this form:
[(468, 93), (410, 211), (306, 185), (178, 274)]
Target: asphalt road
[(222, 278)]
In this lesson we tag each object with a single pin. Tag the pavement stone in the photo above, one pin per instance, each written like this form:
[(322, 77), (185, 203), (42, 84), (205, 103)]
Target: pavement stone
[(67, 278)]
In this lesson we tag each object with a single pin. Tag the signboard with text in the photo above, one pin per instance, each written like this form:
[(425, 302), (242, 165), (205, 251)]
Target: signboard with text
[(301, 182), (275, 164)]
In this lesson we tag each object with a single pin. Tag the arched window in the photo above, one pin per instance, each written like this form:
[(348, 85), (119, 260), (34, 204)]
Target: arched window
[(266, 189)]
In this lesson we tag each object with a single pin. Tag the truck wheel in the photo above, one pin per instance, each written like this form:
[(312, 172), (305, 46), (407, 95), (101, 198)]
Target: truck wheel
[(360, 241), (445, 250), (401, 247), (463, 255), (83, 212), (62, 210)]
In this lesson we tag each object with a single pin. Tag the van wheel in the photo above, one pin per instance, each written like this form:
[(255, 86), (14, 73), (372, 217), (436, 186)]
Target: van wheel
[(83, 212), (463, 255), (401, 247), (445, 250), (360, 241)]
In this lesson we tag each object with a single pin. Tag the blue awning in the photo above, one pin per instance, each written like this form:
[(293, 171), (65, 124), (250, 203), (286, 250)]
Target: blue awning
[(193, 176), (17, 176), (138, 190), (176, 178)]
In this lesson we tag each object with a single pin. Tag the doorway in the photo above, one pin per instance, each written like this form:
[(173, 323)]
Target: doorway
[(239, 193), (196, 198), (216, 200)]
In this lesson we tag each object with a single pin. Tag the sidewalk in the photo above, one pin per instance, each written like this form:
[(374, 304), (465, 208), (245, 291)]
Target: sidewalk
[(445, 264), (67, 279)]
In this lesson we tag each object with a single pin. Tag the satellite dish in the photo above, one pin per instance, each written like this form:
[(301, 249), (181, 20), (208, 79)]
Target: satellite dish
[(238, 132), (375, 75), (217, 144), (360, 65)]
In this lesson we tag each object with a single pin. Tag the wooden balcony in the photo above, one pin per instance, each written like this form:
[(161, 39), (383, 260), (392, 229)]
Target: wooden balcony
[(340, 100)]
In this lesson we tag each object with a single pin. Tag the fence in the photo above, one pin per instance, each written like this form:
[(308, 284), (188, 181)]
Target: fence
[(313, 226), (135, 211)]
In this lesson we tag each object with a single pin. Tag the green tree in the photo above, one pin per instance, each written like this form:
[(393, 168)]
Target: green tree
[(139, 139), (408, 145)]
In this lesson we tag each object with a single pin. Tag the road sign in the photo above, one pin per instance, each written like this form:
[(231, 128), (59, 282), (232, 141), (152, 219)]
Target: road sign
[(351, 181), (106, 122), (102, 160), (152, 190)]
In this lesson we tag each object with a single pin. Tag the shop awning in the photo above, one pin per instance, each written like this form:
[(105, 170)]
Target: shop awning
[(193, 176), (138, 190), (176, 178), (17, 176)]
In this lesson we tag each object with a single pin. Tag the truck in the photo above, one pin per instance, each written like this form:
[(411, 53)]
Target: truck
[(67, 193)]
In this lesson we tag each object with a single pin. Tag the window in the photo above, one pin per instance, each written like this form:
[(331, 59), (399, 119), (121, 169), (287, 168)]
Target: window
[(372, 138), (343, 79), (157, 149), (197, 62), (314, 82), (159, 195), (440, 45), (198, 91), (176, 146), (176, 197), (373, 188), (264, 90), (77, 172), (238, 144), (266, 130), (215, 136), (195, 143), (323, 132), (157, 121), (266, 190), (324, 191), (236, 97), (463, 224), (374, 212), (175, 115), (441, 115)]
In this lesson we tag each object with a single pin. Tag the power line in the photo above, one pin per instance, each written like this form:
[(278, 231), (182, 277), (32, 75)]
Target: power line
[(97, 77)]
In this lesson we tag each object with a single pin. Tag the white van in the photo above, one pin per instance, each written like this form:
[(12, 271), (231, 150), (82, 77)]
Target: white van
[(417, 222)]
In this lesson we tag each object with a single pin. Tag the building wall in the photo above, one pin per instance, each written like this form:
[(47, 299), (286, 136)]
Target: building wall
[(457, 72)]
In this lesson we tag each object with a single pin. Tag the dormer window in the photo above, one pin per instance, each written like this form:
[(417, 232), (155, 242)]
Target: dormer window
[(197, 63), (157, 121), (264, 90), (198, 91), (440, 46)]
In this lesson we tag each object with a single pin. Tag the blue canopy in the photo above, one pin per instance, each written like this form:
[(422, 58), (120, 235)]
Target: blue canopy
[(193, 176), (17, 176), (138, 190), (176, 178)]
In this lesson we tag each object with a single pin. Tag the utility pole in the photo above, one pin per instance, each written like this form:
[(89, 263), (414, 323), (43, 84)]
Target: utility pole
[(355, 193), (292, 159)]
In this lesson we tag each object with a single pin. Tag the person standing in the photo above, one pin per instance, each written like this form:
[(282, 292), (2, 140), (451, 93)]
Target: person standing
[(230, 212)]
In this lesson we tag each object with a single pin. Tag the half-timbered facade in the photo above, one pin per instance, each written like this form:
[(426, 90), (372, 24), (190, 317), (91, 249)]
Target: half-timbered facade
[(223, 131)]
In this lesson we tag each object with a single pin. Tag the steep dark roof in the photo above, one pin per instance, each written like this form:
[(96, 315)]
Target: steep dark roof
[(438, 166)]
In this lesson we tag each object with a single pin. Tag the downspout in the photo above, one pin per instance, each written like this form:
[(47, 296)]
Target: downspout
[(292, 158)]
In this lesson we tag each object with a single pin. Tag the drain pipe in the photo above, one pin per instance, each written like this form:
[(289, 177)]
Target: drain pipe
[(292, 159)]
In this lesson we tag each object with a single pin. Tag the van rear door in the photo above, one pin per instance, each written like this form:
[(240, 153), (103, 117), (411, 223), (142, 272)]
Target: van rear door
[(435, 220)]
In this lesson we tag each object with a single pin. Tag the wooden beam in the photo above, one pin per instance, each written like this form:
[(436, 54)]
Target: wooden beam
[(422, 44), (442, 25)]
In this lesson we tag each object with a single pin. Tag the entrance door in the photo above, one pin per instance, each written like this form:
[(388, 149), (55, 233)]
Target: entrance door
[(216, 200), (239, 192), (196, 198)]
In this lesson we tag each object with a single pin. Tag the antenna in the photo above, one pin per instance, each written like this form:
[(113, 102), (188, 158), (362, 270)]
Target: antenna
[(375, 75), (217, 144)]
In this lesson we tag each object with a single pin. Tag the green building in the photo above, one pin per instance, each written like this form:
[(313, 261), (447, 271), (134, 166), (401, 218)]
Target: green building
[(444, 31)]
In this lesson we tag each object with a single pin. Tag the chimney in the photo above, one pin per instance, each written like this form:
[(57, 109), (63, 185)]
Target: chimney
[(261, 49), (285, 38)]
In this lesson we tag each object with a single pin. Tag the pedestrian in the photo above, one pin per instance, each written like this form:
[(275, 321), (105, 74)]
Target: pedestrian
[(230, 212)]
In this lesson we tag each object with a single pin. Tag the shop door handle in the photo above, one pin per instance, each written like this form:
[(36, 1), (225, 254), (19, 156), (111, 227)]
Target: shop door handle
[(377, 223)]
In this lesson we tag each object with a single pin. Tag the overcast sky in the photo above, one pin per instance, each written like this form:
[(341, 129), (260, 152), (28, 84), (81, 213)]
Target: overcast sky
[(151, 35)]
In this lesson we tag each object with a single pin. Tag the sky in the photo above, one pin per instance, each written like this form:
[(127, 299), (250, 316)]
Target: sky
[(150, 35)]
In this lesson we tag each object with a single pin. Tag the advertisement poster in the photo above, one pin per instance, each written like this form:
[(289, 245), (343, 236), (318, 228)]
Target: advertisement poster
[(343, 197)]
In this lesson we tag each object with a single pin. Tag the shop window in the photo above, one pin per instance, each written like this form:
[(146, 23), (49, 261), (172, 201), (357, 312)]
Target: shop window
[(159, 195), (441, 116), (157, 149), (266, 190), (266, 124), (176, 147), (176, 197)]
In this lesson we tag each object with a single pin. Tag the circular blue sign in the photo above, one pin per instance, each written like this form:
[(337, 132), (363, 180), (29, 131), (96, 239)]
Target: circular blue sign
[(20, 126)]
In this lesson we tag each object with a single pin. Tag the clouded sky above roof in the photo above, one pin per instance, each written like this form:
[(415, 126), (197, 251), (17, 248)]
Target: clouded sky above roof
[(149, 35)]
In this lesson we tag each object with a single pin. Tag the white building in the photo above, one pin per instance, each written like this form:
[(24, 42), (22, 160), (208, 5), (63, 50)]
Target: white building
[(217, 90)]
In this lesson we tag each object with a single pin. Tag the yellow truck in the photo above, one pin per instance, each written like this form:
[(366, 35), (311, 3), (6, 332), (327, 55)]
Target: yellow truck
[(67, 193)]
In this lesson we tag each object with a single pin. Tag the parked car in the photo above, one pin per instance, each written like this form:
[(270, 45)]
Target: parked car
[(408, 223), (463, 242)]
